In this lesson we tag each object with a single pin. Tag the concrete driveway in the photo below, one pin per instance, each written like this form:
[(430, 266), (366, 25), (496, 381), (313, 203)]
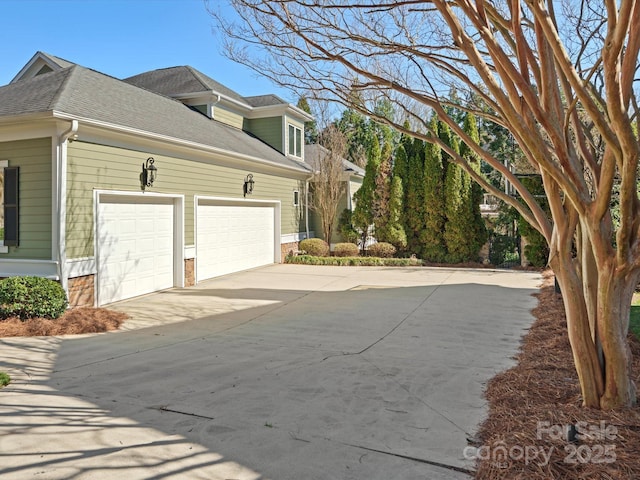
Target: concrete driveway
[(284, 372)]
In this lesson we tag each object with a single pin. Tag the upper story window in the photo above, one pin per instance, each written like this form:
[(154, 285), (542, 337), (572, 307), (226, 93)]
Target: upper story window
[(295, 141)]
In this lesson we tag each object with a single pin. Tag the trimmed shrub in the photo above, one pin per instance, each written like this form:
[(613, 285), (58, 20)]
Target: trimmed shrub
[(346, 250), (355, 261), (382, 250), (315, 246), (5, 379), (31, 297)]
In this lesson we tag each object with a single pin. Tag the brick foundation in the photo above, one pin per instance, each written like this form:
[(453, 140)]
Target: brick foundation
[(288, 248), (189, 272), (82, 291)]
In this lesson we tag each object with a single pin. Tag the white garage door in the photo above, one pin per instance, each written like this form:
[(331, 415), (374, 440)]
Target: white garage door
[(135, 246), (232, 238)]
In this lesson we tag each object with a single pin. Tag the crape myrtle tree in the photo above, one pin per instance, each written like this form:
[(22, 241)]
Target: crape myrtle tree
[(327, 182), (558, 75)]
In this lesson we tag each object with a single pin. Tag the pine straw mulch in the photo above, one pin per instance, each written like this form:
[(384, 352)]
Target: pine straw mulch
[(72, 322), (543, 387)]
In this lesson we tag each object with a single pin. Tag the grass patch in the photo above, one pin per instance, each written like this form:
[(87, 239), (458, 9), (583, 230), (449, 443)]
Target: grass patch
[(354, 261), (5, 379), (634, 319)]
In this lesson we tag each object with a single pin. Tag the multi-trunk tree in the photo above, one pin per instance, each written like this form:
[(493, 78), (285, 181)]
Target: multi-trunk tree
[(560, 78)]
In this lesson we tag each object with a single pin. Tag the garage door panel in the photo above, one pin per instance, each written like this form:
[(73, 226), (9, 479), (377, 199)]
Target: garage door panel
[(135, 247), (232, 238)]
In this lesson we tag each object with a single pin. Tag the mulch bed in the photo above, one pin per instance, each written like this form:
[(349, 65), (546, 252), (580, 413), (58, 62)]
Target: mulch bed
[(73, 322), (531, 406)]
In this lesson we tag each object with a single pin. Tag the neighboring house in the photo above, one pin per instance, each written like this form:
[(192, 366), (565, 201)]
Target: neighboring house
[(74, 144), (352, 178)]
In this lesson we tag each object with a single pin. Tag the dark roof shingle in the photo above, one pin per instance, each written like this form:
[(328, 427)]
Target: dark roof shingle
[(85, 93)]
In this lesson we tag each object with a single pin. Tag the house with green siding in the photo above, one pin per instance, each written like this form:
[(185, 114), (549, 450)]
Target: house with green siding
[(122, 187)]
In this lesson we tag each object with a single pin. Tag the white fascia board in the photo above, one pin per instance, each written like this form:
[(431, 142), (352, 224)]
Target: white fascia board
[(212, 94), (278, 110), (175, 141)]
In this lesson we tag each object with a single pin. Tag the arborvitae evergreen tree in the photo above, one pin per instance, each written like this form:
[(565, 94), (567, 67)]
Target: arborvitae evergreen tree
[(363, 212), (456, 228), (395, 233), (380, 205), (414, 197), (432, 237), (478, 226), (400, 168)]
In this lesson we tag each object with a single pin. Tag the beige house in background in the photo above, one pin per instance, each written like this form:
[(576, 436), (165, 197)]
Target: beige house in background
[(74, 143)]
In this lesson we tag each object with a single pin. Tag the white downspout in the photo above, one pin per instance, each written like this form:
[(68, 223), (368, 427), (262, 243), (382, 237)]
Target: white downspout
[(62, 204), (212, 106)]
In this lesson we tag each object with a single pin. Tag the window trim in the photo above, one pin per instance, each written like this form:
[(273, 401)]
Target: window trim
[(298, 139), (296, 198)]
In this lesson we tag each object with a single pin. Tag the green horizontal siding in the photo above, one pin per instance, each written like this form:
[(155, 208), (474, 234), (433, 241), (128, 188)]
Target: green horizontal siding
[(269, 130), (33, 156), (92, 166)]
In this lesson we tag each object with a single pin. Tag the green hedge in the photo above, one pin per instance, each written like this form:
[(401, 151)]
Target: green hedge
[(355, 261), (31, 297)]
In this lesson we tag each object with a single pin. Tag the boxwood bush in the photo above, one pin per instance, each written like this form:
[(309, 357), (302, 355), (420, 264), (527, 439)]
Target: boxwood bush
[(346, 250), (315, 246), (31, 297), (382, 249)]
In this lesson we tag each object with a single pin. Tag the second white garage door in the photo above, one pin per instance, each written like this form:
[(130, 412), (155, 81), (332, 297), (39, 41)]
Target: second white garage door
[(232, 238)]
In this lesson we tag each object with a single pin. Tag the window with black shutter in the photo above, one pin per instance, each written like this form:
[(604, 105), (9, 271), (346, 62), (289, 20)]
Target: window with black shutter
[(11, 194)]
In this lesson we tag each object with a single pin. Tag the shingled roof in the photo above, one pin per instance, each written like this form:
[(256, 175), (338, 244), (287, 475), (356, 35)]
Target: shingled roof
[(181, 80), (314, 154), (84, 93)]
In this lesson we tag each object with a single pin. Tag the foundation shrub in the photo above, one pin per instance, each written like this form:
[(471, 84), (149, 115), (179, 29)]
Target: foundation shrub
[(31, 297), (346, 250), (315, 247), (382, 250)]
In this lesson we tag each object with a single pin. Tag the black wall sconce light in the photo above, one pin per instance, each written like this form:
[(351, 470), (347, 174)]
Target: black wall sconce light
[(248, 185), (149, 173)]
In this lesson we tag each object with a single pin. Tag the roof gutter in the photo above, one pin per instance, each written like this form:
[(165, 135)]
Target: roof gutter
[(61, 202)]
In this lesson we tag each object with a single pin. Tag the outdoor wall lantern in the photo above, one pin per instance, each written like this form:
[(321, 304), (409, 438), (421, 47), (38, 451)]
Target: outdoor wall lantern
[(149, 173), (248, 185)]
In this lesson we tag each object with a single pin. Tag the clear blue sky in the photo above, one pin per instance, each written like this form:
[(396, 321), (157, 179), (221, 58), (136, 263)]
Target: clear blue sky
[(123, 38)]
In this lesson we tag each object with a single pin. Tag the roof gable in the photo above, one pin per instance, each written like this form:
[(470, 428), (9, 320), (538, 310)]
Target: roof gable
[(39, 64)]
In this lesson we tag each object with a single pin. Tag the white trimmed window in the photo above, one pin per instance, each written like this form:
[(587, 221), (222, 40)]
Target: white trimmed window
[(296, 198), (295, 141)]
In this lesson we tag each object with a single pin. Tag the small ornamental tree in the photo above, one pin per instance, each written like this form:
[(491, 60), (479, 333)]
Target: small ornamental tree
[(327, 181)]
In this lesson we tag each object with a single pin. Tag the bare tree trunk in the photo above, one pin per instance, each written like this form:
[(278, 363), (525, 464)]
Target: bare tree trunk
[(614, 299), (584, 350)]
